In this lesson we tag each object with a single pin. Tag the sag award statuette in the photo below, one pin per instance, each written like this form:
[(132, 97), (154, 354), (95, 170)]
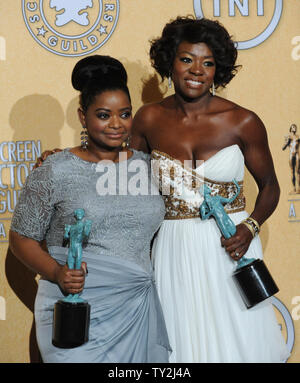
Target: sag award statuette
[(252, 277), (72, 314)]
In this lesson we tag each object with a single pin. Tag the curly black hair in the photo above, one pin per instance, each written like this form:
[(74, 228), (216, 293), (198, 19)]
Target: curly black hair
[(212, 33)]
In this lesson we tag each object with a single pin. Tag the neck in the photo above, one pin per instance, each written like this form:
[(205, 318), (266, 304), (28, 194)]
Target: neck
[(192, 106), (105, 154)]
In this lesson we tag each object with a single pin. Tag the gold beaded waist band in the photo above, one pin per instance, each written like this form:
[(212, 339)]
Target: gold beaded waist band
[(180, 208), (180, 187)]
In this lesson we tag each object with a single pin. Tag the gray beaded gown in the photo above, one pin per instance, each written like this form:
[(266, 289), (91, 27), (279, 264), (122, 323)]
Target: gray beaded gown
[(127, 324)]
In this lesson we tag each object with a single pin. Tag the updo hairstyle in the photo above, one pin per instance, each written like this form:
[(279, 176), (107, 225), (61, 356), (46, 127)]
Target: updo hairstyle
[(163, 49), (96, 74)]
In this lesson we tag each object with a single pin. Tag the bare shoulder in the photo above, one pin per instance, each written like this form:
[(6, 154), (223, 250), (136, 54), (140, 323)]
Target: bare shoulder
[(149, 114), (239, 117), (146, 111), (249, 122), (249, 127)]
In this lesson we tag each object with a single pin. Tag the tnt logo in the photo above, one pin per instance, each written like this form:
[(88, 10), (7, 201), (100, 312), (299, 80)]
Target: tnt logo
[(270, 9), (71, 28)]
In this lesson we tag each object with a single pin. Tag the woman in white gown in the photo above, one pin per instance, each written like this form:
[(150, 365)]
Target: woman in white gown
[(205, 316)]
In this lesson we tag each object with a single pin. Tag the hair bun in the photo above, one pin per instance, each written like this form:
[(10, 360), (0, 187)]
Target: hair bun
[(97, 68)]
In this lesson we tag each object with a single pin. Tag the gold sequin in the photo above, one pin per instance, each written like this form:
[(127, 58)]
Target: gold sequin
[(172, 177)]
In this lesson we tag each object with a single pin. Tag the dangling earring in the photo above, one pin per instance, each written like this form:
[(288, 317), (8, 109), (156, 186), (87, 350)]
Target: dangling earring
[(84, 138), (213, 89), (170, 81), (126, 143)]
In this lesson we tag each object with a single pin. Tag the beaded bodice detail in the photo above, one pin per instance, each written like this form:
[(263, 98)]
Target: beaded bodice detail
[(180, 185)]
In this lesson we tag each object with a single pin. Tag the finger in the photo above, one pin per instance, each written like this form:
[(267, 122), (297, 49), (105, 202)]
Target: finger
[(75, 272), (73, 277), (38, 163), (228, 241), (73, 290), (69, 281), (233, 247), (84, 268), (44, 155), (237, 254), (74, 284), (75, 281)]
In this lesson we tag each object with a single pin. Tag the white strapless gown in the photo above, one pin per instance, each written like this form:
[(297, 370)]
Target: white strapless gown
[(206, 318)]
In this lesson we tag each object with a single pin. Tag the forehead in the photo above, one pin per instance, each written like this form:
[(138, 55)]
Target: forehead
[(113, 98), (196, 49)]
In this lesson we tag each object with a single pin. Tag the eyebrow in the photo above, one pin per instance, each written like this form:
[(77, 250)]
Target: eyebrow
[(109, 110), (192, 54)]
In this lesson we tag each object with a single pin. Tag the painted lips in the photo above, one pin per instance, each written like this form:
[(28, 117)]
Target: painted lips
[(194, 83), (114, 136)]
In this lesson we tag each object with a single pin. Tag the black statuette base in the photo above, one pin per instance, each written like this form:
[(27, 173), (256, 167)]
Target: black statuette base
[(70, 324), (255, 283)]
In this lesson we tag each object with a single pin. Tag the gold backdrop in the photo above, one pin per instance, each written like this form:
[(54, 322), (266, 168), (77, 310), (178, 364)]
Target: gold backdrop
[(39, 41)]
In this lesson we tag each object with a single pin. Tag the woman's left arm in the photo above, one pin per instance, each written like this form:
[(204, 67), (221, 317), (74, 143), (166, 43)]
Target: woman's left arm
[(259, 162)]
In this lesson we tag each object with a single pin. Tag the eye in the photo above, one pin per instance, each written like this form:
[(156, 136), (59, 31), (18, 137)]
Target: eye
[(209, 63), (103, 115), (186, 60), (126, 115)]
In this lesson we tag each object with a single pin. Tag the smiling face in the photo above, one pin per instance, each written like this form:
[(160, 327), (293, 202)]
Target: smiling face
[(193, 70), (108, 120)]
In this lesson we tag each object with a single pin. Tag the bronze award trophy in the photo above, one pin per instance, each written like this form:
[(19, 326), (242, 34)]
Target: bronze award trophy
[(252, 277), (71, 317)]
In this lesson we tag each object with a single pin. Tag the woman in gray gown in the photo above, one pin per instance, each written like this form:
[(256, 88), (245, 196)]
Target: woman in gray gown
[(101, 177)]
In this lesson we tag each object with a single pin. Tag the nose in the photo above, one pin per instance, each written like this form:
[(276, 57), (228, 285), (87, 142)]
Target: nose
[(115, 122), (196, 68)]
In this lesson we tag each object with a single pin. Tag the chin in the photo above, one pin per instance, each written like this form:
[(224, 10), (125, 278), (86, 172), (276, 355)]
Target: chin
[(115, 146), (191, 94), (111, 146), (190, 97)]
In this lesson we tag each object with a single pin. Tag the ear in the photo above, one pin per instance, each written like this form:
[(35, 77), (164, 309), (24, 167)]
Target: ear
[(81, 116)]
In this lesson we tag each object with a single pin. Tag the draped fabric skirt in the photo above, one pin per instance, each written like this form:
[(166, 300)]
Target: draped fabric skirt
[(207, 320), (126, 325)]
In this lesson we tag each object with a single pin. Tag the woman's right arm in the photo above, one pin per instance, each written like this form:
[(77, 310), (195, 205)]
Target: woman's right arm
[(30, 223), (30, 252)]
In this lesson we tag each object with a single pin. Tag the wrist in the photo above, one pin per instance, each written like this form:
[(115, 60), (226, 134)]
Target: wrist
[(55, 273), (252, 225)]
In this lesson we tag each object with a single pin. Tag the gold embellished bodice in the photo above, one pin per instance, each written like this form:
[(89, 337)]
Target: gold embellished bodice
[(180, 185)]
